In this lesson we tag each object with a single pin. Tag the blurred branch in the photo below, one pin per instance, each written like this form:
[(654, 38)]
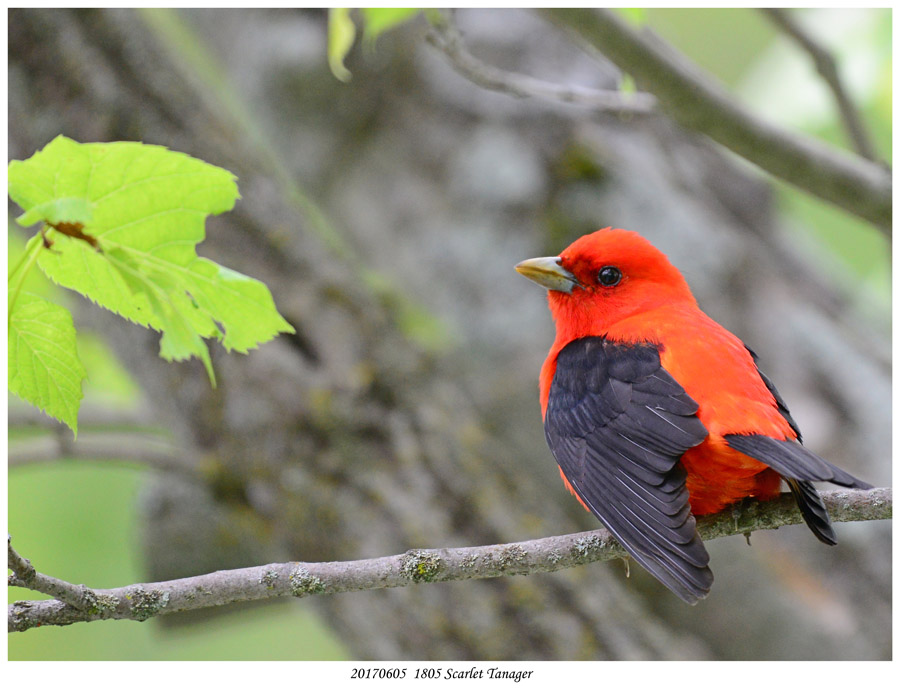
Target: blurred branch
[(446, 37), (155, 451), (76, 604), (827, 68), (699, 103), (90, 415)]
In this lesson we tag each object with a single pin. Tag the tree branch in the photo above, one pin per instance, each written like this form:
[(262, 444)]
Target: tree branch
[(446, 37), (90, 415), (699, 103), (107, 434), (24, 575), (157, 452), (140, 602), (827, 68)]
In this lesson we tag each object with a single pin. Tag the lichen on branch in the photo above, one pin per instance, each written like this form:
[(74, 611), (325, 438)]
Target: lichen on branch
[(75, 604)]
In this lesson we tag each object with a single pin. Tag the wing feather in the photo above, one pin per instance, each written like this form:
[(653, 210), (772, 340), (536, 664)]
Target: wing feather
[(792, 460), (618, 424)]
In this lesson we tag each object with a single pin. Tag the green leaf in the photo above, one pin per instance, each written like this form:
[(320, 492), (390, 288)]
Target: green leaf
[(56, 211), (44, 368), (635, 15), (341, 35), (148, 208), (379, 19), (78, 266)]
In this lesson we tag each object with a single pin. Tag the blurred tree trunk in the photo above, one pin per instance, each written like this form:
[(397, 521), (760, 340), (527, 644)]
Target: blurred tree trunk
[(404, 412)]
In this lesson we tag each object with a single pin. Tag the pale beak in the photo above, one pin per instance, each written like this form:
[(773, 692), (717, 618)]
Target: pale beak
[(547, 271)]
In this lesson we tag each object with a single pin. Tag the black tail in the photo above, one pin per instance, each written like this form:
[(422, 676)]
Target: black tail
[(813, 510), (798, 466)]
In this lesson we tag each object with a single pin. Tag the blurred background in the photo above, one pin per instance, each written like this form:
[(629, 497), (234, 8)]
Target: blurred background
[(386, 214)]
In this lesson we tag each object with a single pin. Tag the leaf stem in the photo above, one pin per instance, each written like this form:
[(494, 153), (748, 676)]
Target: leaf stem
[(12, 273), (28, 259)]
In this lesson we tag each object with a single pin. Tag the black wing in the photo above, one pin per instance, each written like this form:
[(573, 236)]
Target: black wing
[(798, 466), (617, 424), (779, 402)]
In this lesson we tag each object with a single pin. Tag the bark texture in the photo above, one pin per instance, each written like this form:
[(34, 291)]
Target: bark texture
[(404, 412)]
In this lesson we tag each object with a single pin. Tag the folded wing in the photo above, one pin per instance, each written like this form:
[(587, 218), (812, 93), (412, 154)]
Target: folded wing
[(617, 424)]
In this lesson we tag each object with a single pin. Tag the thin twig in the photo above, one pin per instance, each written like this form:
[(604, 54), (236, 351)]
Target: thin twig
[(699, 103), (447, 38), (140, 602), (826, 66), (24, 575)]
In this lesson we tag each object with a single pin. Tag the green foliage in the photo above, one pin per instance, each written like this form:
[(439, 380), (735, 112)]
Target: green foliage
[(341, 35), (121, 222), (635, 15), (379, 19), (342, 31), (43, 363)]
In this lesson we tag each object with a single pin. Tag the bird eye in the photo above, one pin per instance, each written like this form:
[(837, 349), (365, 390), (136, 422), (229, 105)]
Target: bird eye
[(609, 276)]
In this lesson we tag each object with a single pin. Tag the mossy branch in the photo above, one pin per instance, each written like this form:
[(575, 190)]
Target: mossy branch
[(77, 603)]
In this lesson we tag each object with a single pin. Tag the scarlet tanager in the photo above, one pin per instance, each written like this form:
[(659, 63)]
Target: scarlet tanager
[(656, 413)]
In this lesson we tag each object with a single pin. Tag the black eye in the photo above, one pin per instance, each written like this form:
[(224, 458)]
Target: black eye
[(609, 276)]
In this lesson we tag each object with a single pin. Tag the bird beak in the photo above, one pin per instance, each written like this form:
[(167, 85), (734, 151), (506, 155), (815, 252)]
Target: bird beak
[(548, 272)]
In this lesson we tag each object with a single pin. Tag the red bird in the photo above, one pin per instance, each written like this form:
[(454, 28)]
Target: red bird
[(655, 413)]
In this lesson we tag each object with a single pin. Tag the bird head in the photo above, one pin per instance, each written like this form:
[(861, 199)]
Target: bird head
[(605, 277)]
